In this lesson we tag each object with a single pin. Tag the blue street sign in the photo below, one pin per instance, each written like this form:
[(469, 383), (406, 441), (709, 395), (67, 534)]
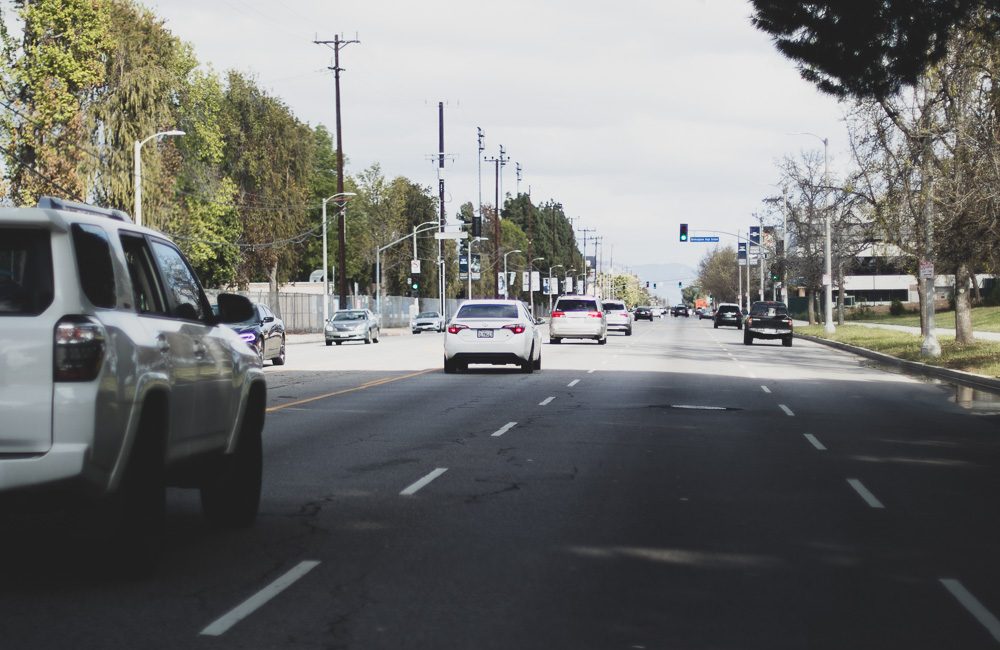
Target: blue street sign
[(755, 235), (704, 239)]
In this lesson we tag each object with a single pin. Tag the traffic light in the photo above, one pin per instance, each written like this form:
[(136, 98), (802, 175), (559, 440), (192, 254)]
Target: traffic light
[(684, 232), (477, 226), (647, 284), (654, 285), (679, 284)]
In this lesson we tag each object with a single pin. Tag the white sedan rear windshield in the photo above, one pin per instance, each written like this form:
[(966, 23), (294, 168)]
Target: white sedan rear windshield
[(487, 311)]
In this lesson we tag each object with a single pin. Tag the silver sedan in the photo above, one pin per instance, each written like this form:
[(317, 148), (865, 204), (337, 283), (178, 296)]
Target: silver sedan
[(352, 325)]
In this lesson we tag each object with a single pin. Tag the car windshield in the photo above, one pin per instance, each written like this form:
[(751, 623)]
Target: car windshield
[(348, 315), (487, 311), (428, 314), (577, 305)]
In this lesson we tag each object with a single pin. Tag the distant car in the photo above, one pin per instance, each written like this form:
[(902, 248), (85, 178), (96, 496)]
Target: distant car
[(768, 319), (578, 317), (680, 310), (703, 313), (352, 325), (618, 316), (427, 321), (495, 332), (264, 333), (728, 314), (644, 313)]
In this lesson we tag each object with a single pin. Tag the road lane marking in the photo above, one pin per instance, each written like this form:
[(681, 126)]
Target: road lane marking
[(766, 389), (412, 489), (787, 410), (695, 407), (815, 442), (255, 602), (546, 401), (592, 371), (864, 493), (573, 383), (370, 384), (972, 604), (507, 427)]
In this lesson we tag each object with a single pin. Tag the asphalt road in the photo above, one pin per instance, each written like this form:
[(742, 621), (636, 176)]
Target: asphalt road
[(672, 489)]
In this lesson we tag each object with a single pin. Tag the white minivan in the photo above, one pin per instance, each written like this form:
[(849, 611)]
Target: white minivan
[(578, 317)]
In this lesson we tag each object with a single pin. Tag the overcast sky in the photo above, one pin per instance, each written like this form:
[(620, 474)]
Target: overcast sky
[(636, 115)]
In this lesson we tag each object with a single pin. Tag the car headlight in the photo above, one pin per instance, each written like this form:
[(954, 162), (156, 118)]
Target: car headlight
[(329, 328)]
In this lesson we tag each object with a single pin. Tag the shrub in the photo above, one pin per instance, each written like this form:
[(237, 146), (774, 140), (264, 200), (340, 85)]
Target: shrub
[(896, 308)]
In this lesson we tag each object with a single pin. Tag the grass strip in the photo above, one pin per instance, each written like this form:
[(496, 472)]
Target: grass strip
[(981, 357), (984, 319)]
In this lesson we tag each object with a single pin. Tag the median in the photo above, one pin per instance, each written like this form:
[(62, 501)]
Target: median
[(980, 358)]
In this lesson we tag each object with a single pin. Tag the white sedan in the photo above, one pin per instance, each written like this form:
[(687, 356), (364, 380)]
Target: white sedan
[(495, 332)]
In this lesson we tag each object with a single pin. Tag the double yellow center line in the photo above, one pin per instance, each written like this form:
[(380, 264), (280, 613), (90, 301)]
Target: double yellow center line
[(370, 384)]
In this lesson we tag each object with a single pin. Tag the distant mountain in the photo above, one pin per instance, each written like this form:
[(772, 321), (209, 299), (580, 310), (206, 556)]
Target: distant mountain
[(666, 277)]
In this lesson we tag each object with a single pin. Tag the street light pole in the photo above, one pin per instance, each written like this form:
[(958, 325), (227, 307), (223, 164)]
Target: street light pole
[(326, 275), (554, 266), (137, 171), (531, 283), (378, 261), (505, 279)]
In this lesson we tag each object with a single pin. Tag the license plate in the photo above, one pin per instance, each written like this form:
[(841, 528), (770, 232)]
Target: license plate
[(484, 334)]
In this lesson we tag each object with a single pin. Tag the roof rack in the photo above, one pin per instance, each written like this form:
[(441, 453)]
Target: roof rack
[(54, 203)]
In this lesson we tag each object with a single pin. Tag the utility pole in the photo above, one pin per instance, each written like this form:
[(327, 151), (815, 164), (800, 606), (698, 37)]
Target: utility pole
[(518, 169), (498, 162), (441, 219), (585, 231), (337, 44)]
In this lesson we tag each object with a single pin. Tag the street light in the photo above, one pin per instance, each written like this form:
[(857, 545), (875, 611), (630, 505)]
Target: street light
[(326, 276), (505, 282), (554, 266), (137, 171), (531, 284), (828, 284)]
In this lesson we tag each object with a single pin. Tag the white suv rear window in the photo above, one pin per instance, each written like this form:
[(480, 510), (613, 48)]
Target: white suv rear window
[(25, 271), (574, 304)]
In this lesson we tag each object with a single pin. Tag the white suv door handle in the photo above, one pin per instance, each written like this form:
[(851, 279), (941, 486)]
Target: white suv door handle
[(199, 350), (162, 344)]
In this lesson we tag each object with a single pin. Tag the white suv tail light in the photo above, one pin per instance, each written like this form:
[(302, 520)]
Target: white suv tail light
[(79, 349)]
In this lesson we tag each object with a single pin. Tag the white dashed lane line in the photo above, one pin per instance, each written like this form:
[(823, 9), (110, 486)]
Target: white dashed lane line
[(546, 401), (415, 487), (972, 604), (507, 427), (865, 493), (592, 371), (573, 383), (766, 389), (787, 410), (814, 441), (258, 600)]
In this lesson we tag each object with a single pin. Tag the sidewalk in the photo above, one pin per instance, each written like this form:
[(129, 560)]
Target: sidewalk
[(939, 331)]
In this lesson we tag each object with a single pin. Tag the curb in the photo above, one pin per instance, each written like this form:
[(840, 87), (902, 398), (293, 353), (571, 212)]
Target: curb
[(980, 382)]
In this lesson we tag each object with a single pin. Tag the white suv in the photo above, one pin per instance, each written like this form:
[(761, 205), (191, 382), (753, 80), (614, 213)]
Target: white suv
[(116, 379), (578, 317)]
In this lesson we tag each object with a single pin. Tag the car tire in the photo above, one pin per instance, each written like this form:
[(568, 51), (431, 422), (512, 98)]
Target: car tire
[(747, 338), (329, 343), (230, 494), (628, 332), (787, 341), (378, 333), (138, 508), (338, 342), (602, 341), (368, 337), (280, 359), (554, 341), (538, 361), (449, 366), (416, 331), (528, 365), (715, 325)]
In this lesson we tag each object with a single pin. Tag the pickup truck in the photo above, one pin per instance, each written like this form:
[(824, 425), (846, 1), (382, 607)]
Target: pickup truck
[(768, 320)]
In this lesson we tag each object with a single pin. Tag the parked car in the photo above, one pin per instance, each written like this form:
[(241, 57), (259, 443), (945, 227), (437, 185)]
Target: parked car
[(578, 317), (495, 332), (352, 325), (427, 321), (265, 333), (118, 379), (728, 314), (768, 319), (644, 313), (618, 316), (680, 310)]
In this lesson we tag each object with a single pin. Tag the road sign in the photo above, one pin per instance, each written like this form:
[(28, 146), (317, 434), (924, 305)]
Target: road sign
[(704, 239), (414, 266), (755, 235), (451, 235), (926, 270)]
